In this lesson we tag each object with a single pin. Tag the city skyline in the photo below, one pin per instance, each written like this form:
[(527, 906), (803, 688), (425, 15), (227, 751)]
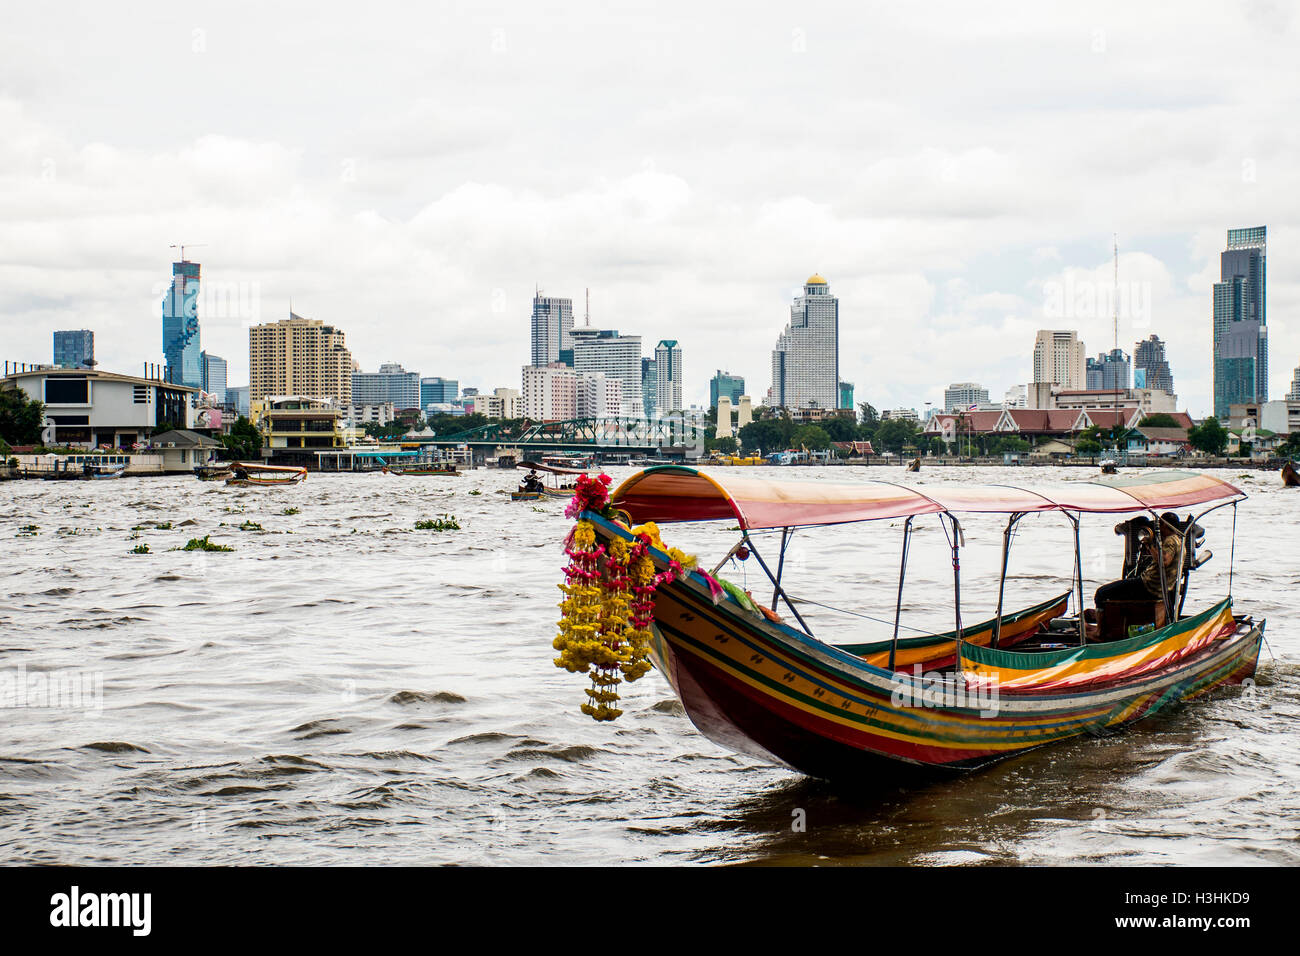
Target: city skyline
[(943, 214)]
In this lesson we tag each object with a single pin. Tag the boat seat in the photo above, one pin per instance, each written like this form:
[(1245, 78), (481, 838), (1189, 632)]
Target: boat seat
[(1117, 616)]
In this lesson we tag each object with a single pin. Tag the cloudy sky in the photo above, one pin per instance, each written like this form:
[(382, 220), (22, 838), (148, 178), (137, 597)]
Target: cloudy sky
[(412, 172)]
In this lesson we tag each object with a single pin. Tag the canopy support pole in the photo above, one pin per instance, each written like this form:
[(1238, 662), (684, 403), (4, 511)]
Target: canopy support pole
[(902, 573), (1002, 580), (780, 565), (780, 592), (955, 541), (1078, 576)]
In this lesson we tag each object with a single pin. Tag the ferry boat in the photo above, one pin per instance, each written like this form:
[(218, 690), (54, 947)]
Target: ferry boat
[(557, 483), (758, 684)]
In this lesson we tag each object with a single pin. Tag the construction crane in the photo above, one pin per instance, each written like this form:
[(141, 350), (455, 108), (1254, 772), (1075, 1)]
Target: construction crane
[(181, 247)]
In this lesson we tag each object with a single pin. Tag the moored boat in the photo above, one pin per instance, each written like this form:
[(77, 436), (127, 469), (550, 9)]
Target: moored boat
[(243, 473), (756, 684), (212, 472)]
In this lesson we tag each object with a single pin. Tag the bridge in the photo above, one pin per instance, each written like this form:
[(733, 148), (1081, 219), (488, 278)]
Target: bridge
[(622, 434)]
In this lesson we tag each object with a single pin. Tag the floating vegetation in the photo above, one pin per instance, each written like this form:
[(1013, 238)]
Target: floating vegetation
[(235, 511), (251, 526), (476, 492), (164, 526), (540, 510), (440, 523), (27, 531), (291, 511), (139, 549), (203, 544)]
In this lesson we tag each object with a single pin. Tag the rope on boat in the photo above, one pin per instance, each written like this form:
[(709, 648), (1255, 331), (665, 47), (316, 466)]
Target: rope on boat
[(868, 617)]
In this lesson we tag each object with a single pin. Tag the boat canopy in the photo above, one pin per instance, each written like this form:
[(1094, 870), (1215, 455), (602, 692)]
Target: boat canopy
[(678, 493), (538, 466)]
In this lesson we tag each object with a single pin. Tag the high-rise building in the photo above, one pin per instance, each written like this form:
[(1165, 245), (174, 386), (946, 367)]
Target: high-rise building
[(180, 326), (1294, 394), (724, 383), (1059, 359), (806, 360), (391, 383), (649, 388), (1015, 397), (214, 375), (959, 396), (1241, 321), (238, 396), (846, 395), (552, 329), (436, 390), (618, 356), (74, 348), (556, 392), (1149, 360), (668, 376), (1107, 371), (298, 356)]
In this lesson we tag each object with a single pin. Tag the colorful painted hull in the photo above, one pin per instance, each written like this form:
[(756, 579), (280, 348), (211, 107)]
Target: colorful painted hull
[(768, 690), (525, 496), (426, 472)]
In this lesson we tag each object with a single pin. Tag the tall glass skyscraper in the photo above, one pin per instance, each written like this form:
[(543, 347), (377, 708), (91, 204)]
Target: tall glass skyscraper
[(806, 360), (1108, 371), (74, 348), (180, 326), (214, 375), (724, 383), (1241, 320), (552, 329), (649, 388)]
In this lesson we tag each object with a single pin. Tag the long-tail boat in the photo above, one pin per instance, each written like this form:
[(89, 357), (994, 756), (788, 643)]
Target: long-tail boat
[(250, 473), (558, 483), (1290, 477), (976, 694), (212, 471), (425, 469)]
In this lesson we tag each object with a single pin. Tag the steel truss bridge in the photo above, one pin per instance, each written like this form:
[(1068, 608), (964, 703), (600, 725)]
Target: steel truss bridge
[(644, 435)]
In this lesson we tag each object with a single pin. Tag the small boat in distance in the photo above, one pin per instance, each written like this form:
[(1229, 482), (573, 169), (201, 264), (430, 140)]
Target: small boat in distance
[(249, 473), (981, 692), (915, 466), (213, 471), (1290, 477), (1109, 466), (420, 470)]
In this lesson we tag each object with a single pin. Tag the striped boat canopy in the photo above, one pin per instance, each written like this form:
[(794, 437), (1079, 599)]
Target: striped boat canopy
[(677, 493)]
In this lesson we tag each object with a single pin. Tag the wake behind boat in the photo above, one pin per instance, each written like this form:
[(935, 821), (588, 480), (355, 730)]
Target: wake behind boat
[(756, 684)]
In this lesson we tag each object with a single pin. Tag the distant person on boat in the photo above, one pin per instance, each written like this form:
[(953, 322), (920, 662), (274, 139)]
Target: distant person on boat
[(531, 482), (1145, 581)]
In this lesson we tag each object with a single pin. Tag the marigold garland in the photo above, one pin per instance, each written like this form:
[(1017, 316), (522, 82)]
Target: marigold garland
[(608, 609)]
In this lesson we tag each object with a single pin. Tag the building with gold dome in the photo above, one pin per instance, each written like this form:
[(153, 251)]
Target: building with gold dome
[(806, 360)]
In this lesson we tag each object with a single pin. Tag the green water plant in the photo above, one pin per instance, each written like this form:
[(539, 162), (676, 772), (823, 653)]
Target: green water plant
[(203, 544), (441, 523)]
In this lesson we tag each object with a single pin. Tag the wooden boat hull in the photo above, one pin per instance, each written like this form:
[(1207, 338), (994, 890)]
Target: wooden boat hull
[(211, 474), (770, 691), (425, 472), (1290, 477), (526, 496)]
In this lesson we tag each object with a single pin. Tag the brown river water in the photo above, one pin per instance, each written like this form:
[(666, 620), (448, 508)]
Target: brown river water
[(345, 689)]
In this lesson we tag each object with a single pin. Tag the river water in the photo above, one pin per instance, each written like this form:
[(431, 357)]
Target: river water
[(345, 689)]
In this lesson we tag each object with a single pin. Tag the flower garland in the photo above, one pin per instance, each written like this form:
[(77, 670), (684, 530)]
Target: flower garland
[(608, 609)]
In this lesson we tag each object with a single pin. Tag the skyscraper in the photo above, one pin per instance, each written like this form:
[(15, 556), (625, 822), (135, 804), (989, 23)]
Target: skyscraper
[(1241, 320), (960, 396), (214, 375), (668, 376), (724, 383), (1149, 359), (74, 348), (649, 388), (180, 326), (618, 356), (436, 390), (806, 360), (391, 383), (1107, 371), (552, 329), (298, 356), (1059, 359)]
